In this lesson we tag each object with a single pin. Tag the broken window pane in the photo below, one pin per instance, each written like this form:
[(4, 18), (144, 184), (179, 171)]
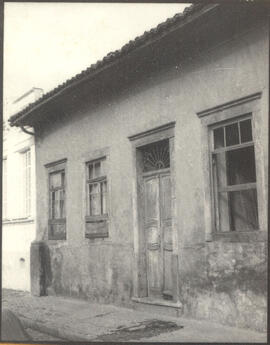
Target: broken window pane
[(241, 166), (243, 210), (246, 131), (219, 137), (232, 134)]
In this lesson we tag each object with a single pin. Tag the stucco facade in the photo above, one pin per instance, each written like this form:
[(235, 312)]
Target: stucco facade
[(18, 225), (221, 278), (18, 199)]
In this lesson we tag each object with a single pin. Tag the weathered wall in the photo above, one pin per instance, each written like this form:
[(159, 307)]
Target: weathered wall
[(212, 274), (226, 282)]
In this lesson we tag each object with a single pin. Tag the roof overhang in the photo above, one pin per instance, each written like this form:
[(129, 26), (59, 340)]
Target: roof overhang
[(175, 39)]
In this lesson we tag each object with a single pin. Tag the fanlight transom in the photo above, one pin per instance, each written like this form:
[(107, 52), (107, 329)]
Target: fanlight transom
[(156, 156)]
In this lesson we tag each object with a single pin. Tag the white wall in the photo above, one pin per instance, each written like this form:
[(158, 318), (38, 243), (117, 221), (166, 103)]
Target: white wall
[(18, 228), (16, 240)]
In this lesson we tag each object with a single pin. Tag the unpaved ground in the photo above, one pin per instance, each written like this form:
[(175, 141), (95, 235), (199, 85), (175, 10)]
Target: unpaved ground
[(38, 336), (53, 318)]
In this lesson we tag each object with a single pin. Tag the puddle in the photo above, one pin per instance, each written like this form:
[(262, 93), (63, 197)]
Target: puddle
[(144, 329)]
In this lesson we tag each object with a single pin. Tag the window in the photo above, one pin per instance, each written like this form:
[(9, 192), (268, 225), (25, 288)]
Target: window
[(57, 213), (96, 191), (234, 176), (4, 184), (156, 156), (26, 185)]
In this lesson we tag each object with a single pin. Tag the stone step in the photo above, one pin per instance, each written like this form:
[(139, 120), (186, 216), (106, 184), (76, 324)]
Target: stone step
[(156, 306)]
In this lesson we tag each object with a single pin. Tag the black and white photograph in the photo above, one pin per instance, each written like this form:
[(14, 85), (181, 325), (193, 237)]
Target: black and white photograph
[(135, 172)]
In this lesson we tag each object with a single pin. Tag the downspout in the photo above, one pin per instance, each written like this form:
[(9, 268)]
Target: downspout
[(26, 131)]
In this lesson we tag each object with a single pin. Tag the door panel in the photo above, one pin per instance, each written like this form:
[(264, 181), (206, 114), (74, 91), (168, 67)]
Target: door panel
[(158, 234), (154, 274), (152, 232), (166, 230), (168, 283), (165, 196), (151, 199)]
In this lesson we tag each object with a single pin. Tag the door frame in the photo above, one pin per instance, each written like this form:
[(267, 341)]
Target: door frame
[(139, 256)]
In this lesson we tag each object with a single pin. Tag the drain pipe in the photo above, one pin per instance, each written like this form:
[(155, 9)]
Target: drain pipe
[(26, 131)]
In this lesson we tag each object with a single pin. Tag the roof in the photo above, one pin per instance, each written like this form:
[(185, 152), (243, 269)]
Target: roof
[(132, 45), (182, 22)]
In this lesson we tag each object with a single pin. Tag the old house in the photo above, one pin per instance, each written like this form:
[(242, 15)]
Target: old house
[(152, 171)]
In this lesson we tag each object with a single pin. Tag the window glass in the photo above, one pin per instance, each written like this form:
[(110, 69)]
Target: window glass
[(246, 131), (232, 134), (52, 216), (223, 220), (243, 210), (97, 169), (241, 166), (219, 169), (91, 171), (218, 138), (4, 184), (57, 193), (56, 180), (96, 193), (234, 178), (27, 182), (94, 199), (62, 204), (57, 212), (104, 197)]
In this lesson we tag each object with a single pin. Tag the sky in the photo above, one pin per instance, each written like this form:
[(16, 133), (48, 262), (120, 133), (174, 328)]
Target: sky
[(47, 43)]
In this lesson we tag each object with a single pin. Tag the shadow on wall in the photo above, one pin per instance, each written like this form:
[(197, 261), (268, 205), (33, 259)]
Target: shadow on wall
[(41, 272), (47, 269)]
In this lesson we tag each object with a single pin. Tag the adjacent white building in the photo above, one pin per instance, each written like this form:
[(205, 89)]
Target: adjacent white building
[(18, 200)]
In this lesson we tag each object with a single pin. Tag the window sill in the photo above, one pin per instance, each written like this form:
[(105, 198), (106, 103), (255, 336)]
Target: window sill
[(18, 220), (240, 236), (99, 235), (56, 241), (94, 219)]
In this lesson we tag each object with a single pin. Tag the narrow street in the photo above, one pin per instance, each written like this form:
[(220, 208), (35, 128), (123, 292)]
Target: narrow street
[(58, 319), (38, 336)]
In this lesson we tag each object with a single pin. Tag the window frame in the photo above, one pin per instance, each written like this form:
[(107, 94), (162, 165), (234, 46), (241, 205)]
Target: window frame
[(214, 183), (54, 168), (101, 219), (255, 104), (26, 156), (4, 189)]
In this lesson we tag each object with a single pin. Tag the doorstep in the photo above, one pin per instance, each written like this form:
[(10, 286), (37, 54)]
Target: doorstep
[(157, 306)]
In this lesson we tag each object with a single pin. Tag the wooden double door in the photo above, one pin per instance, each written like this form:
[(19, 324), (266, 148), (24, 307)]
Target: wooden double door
[(158, 233)]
